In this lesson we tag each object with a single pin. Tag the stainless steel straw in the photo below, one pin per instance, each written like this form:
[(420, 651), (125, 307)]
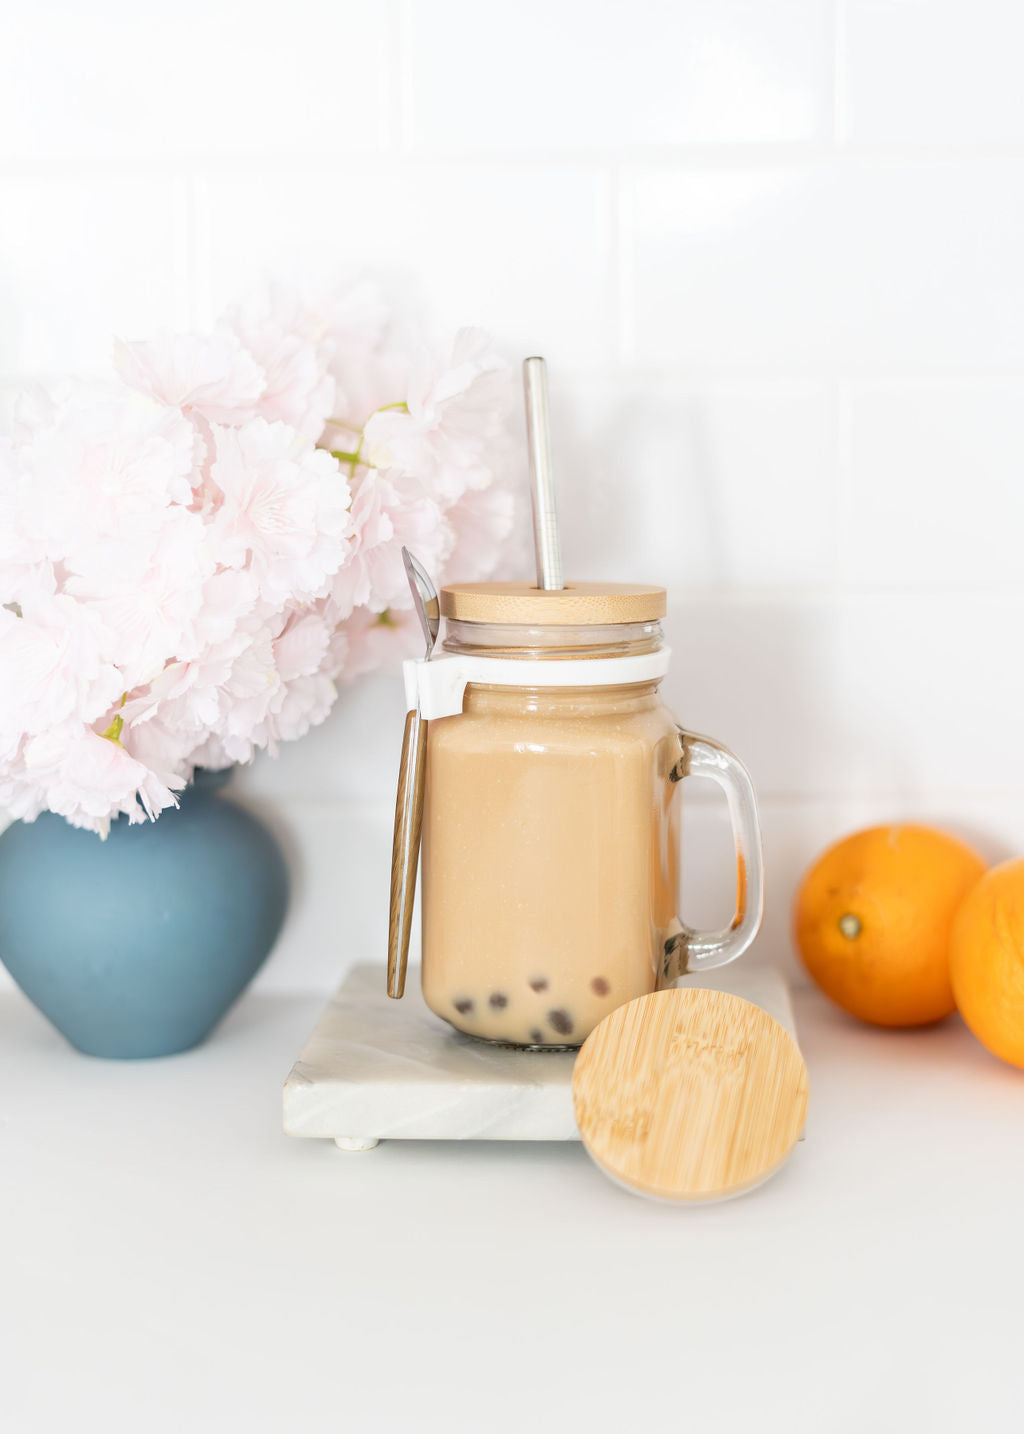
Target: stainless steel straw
[(542, 476)]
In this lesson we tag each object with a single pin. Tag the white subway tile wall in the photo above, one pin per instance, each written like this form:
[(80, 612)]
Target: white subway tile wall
[(773, 256), (927, 72), (85, 256), (550, 75), (200, 78), (840, 262), (545, 232)]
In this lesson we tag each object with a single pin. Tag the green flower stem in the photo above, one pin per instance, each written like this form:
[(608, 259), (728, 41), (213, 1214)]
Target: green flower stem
[(353, 457), (113, 732)]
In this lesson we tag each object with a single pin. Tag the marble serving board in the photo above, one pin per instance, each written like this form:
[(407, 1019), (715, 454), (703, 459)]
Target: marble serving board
[(377, 1069)]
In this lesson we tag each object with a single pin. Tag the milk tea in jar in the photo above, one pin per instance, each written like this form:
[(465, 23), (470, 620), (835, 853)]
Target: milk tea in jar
[(550, 864)]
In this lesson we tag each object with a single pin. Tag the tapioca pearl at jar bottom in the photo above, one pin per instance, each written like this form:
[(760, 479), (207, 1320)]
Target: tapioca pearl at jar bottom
[(464, 1006), (498, 1000), (560, 1021), (538, 983), (600, 986)]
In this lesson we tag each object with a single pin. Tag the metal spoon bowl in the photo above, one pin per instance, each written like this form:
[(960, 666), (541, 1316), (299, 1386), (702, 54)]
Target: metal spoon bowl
[(424, 595)]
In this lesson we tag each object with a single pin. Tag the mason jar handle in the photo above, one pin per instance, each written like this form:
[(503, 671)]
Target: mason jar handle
[(689, 950)]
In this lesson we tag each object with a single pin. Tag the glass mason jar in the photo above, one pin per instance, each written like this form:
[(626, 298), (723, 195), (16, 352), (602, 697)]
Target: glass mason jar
[(550, 845)]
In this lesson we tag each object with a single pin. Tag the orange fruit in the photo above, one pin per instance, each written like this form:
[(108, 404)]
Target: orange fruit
[(872, 921), (986, 961)]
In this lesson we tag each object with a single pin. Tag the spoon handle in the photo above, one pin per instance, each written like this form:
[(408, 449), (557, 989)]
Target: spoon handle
[(405, 852)]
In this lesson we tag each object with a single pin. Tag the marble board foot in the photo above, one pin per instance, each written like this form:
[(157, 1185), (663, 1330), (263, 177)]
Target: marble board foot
[(395, 1071)]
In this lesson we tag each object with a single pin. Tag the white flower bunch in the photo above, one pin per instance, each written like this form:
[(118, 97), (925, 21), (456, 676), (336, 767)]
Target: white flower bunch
[(192, 556)]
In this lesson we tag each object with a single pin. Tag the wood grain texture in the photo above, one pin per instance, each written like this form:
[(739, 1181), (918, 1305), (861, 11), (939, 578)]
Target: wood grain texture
[(405, 850), (577, 604), (690, 1094)]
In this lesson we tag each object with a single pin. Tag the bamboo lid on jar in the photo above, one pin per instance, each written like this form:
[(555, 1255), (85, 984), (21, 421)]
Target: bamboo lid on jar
[(689, 1094), (575, 605)]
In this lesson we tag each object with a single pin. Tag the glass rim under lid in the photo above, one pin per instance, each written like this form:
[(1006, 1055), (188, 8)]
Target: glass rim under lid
[(583, 620)]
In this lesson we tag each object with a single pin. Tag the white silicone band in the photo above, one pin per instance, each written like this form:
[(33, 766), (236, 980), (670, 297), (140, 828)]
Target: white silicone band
[(437, 687)]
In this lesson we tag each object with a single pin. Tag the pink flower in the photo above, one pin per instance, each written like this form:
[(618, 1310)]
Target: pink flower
[(457, 405), (22, 544), (227, 609), (185, 574), (99, 471), (284, 510), (291, 342), (385, 516), (153, 599), (376, 640), (286, 691), (55, 664), (227, 687), (308, 693), (300, 647), (165, 752), (211, 375), (370, 361), (88, 778), (481, 524)]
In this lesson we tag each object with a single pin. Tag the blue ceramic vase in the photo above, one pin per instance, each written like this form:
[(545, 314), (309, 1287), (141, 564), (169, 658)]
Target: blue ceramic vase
[(137, 945)]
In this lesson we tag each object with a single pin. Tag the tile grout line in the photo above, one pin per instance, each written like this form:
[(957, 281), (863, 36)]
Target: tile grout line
[(401, 86), (837, 47), (197, 270), (623, 257), (401, 98), (181, 241), (714, 375), (843, 496), (388, 65), (202, 250)]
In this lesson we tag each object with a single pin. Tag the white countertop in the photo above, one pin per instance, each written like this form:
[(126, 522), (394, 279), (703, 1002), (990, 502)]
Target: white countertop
[(172, 1262)]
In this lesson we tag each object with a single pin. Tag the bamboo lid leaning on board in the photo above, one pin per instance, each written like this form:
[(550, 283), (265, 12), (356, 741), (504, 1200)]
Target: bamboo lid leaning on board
[(689, 1095)]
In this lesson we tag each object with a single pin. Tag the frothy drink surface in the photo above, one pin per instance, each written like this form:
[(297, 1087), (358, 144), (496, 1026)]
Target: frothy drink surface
[(550, 866)]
